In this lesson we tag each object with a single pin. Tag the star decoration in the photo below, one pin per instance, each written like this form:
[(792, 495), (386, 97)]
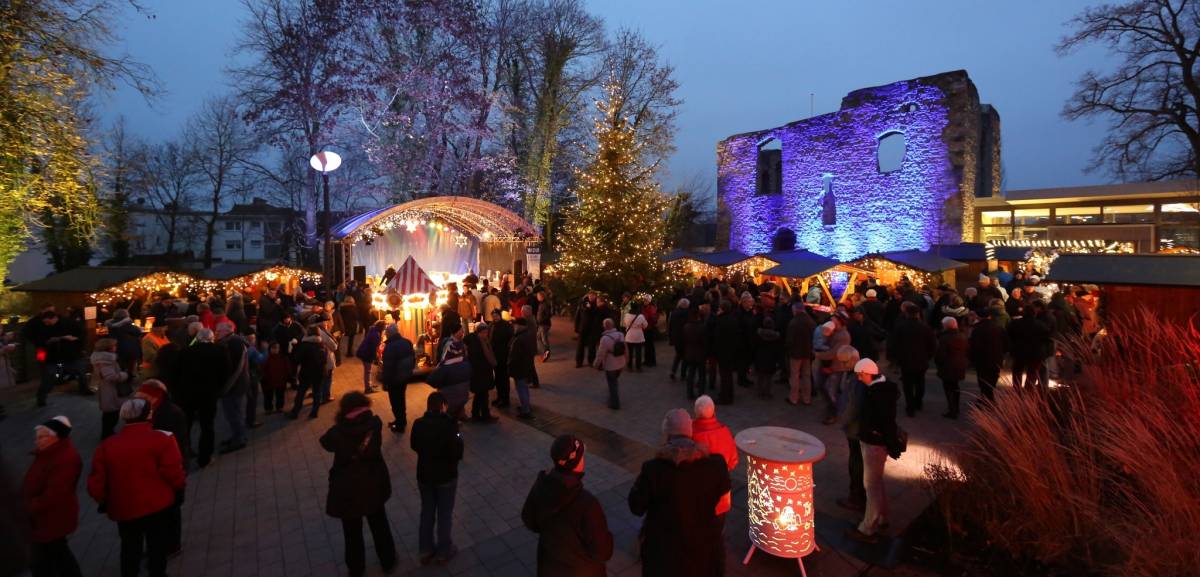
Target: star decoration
[(460, 241)]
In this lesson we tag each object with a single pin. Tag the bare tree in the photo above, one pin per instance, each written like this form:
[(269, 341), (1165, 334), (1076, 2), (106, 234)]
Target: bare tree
[(1153, 96), (168, 179), (557, 64), (300, 76), (221, 143), (123, 156), (647, 91)]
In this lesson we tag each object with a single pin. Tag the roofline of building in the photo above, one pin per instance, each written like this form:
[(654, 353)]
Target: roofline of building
[(1118, 191)]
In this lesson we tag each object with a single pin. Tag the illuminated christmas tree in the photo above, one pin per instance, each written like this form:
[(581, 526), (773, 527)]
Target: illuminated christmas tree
[(613, 237)]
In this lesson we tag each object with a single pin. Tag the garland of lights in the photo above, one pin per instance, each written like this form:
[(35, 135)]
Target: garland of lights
[(174, 282), (883, 267)]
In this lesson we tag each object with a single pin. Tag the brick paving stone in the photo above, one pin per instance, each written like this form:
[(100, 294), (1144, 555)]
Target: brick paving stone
[(261, 510)]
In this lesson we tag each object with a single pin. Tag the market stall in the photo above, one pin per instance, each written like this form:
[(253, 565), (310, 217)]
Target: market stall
[(920, 267), (1168, 286)]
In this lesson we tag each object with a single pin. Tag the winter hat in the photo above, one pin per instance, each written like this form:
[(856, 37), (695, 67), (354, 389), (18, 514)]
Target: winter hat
[(866, 366), (1035, 279), (566, 452), (828, 328), (871, 293), (60, 426), (677, 423), (949, 323), (983, 278), (153, 390), (704, 407), (135, 410)]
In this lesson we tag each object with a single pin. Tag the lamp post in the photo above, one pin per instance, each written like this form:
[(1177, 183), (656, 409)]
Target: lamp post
[(326, 161)]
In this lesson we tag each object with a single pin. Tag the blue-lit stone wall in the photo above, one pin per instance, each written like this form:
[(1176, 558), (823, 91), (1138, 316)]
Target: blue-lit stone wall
[(929, 199)]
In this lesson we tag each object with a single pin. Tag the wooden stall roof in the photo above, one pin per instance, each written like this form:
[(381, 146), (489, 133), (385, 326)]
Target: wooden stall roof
[(87, 279), (720, 259), (677, 254), (1127, 269), (231, 270), (800, 266), (920, 260), (977, 251)]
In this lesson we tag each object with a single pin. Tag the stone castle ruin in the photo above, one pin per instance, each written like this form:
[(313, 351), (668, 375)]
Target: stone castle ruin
[(896, 167)]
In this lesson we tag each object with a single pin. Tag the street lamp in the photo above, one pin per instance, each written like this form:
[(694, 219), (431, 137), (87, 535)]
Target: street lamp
[(326, 161)]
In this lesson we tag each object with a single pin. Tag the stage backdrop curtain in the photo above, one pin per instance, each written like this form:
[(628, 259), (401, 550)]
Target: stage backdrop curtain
[(434, 250)]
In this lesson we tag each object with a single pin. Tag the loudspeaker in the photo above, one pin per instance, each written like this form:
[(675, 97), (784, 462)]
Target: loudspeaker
[(360, 275), (518, 270)]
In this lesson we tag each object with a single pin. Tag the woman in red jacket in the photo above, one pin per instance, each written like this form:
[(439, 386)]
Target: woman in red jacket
[(137, 475), (49, 495)]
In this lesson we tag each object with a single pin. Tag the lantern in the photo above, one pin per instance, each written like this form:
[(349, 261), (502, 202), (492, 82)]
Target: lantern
[(779, 490)]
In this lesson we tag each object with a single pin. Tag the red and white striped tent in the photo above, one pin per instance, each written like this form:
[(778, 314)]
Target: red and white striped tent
[(411, 279)]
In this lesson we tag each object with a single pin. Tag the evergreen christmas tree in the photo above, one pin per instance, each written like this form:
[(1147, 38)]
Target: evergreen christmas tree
[(612, 239)]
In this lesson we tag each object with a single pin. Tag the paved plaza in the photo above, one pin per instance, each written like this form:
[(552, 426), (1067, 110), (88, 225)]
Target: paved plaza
[(261, 511)]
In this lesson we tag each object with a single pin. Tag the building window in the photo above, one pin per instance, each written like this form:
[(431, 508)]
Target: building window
[(233, 225), (994, 233), (1175, 236), (890, 154), (255, 225), (770, 167), (1077, 215), (828, 202), (1032, 217), (256, 243), (996, 218), (233, 245), (1130, 214), (1181, 212)]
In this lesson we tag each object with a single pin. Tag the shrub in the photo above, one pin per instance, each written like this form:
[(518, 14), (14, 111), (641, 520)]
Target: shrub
[(1101, 476)]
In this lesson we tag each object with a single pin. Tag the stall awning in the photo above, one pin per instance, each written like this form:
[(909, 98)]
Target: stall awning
[(800, 266), (677, 254), (720, 259), (411, 279), (920, 260), (977, 251), (1127, 269), (232, 270), (86, 279)]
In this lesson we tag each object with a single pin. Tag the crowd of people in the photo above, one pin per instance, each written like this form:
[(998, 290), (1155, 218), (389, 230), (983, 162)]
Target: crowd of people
[(219, 353)]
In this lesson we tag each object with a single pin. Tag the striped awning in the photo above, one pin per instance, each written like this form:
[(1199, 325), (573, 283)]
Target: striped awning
[(411, 279)]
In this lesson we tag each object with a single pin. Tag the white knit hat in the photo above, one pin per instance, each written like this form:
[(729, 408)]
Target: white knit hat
[(866, 366)]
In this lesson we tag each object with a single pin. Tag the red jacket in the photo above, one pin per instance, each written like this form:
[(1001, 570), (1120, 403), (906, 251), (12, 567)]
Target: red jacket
[(49, 492), (136, 472), (276, 371), (716, 436)]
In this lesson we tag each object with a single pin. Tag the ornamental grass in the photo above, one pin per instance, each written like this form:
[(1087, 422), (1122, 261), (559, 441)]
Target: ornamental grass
[(1099, 476)]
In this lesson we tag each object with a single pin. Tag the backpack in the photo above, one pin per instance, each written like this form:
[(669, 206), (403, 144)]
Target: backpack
[(618, 348)]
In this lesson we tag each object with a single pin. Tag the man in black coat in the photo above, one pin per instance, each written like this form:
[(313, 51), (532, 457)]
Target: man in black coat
[(910, 349), (502, 335), (439, 448), (399, 359), (989, 343), (749, 323), (675, 321), (679, 492), (727, 344), (483, 362), (201, 374), (573, 535), (1029, 337), (288, 333)]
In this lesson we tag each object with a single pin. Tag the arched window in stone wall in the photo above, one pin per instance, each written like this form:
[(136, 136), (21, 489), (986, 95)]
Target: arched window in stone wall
[(828, 202), (891, 151), (769, 167)]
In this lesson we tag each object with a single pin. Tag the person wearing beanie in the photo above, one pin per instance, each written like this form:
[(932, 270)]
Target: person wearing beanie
[(49, 496), (452, 377), (573, 535), (708, 431), (109, 380), (166, 416), (827, 340), (439, 447), (951, 359), (878, 434), (679, 492), (137, 476)]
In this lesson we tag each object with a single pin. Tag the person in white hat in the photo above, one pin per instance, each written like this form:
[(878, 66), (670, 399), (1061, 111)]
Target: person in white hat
[(878, 436), (50, 498)]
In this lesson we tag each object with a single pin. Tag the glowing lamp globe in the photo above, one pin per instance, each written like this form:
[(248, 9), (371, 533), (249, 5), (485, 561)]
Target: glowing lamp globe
[(779, 490), (325, 161)]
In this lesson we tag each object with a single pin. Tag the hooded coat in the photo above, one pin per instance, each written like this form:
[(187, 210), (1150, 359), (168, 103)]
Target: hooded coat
[(49, 492), (359, 483), (106, 374), (678, 492), (203, 368), (574, 540)]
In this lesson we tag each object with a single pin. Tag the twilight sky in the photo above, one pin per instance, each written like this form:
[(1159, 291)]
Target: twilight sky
[(742, 66)]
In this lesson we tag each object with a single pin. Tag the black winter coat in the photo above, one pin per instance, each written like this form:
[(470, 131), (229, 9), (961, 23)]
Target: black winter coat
[(727, 337), (768, 352), (952, 355), (912, 345), (349, 313), (678, 492), (675, 324), (359, 483), (989, 344), (574, 540), (878, 422), (169, 417), (310, 356), (399, 360), (481, 366), (521, 353), (439, 448), (693, 341), (201, 374), (1030, 339), (799, 337), (502, 335)]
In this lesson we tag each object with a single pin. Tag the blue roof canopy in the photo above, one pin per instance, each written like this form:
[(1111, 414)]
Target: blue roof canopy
[(800, 264), (921, 260)]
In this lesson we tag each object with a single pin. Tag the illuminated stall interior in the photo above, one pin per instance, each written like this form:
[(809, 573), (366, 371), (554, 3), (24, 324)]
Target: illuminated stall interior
[(922, 268)]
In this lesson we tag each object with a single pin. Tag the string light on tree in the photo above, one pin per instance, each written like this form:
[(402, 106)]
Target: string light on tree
[(615, 234)]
